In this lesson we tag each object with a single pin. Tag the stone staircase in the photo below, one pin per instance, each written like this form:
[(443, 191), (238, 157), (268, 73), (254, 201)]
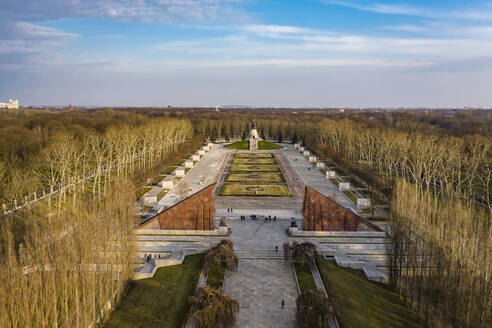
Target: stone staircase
[(365, 253), (259, 255)]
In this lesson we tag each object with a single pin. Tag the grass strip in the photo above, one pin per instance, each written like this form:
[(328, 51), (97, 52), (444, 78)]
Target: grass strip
[(253, 155), (215, 278), (304, 277), (161, 301), (350, 195), (231, 189)]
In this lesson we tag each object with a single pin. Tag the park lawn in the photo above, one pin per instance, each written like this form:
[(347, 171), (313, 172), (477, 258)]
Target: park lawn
[(253, 155), (254, 160), (362, 303), (255, 177), (351, 196), (160, 301), (239, 145), (267, 145), (304, 277), (231, 189), (253, 168)]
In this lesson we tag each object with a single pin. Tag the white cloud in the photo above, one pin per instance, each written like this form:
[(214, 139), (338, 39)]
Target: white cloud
[(406, 28), (481, 13)]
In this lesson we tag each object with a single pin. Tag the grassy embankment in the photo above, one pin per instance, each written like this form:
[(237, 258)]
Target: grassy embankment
[(160, 301), (262, 145), (362, 303)]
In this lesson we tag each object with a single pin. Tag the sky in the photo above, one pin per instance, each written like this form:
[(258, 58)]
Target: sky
[(303, 53)]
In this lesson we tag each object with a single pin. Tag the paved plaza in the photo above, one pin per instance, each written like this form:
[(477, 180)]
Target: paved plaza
[(260, 286)]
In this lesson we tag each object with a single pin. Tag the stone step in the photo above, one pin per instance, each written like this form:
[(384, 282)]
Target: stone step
[(259, 254), (356, 247), (375, 258)]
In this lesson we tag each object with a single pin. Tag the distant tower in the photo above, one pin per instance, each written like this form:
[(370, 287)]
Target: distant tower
[(253, 137)]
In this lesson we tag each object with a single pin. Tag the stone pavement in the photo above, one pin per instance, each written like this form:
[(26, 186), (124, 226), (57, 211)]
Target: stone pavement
[(313, 178), (260, 286)]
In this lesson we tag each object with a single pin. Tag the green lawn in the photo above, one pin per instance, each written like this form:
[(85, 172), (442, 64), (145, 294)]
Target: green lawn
[(253, 155), (253, 160), (231, 189), (215, 278), (350, 195), (160, 301), (253, 168), (304, 277), (335, 181), (239, 145), (254, 177), (266, 145), (361, 303)]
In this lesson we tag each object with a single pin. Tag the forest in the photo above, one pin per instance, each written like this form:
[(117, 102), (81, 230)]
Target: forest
[(68, 180)]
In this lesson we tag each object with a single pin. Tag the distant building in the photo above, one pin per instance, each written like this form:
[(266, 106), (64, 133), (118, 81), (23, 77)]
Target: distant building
[(12, 104)]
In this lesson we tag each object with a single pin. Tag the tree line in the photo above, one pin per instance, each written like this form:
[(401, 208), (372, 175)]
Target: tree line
[(66, 260), (58, 153)]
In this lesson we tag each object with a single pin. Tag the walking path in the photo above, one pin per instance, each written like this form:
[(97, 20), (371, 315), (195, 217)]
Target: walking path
[(260, 286), (205, 172), (312, 177)]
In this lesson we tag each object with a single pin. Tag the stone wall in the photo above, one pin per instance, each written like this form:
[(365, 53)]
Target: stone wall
[(193, 213), (323, 214)]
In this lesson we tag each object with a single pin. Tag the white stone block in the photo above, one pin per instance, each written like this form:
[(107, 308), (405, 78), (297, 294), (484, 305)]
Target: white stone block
[(331, 174), (363, 202), (189, 164), (297, 146), (301, 149), (344, 186), (147, 200), (196, 157), (180, 172), (305, 153), (320, 165), (167, 184), (210, 144), (201, 152), (312, 159)]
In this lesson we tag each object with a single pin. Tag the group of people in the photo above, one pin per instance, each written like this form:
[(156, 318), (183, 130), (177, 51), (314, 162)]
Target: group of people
[(256, 217)]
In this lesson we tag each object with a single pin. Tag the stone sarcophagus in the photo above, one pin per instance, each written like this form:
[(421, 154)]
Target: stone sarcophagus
[(193, 213), (323, 214)]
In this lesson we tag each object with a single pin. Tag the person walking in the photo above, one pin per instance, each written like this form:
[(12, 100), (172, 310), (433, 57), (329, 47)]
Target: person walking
[(283, 303)]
